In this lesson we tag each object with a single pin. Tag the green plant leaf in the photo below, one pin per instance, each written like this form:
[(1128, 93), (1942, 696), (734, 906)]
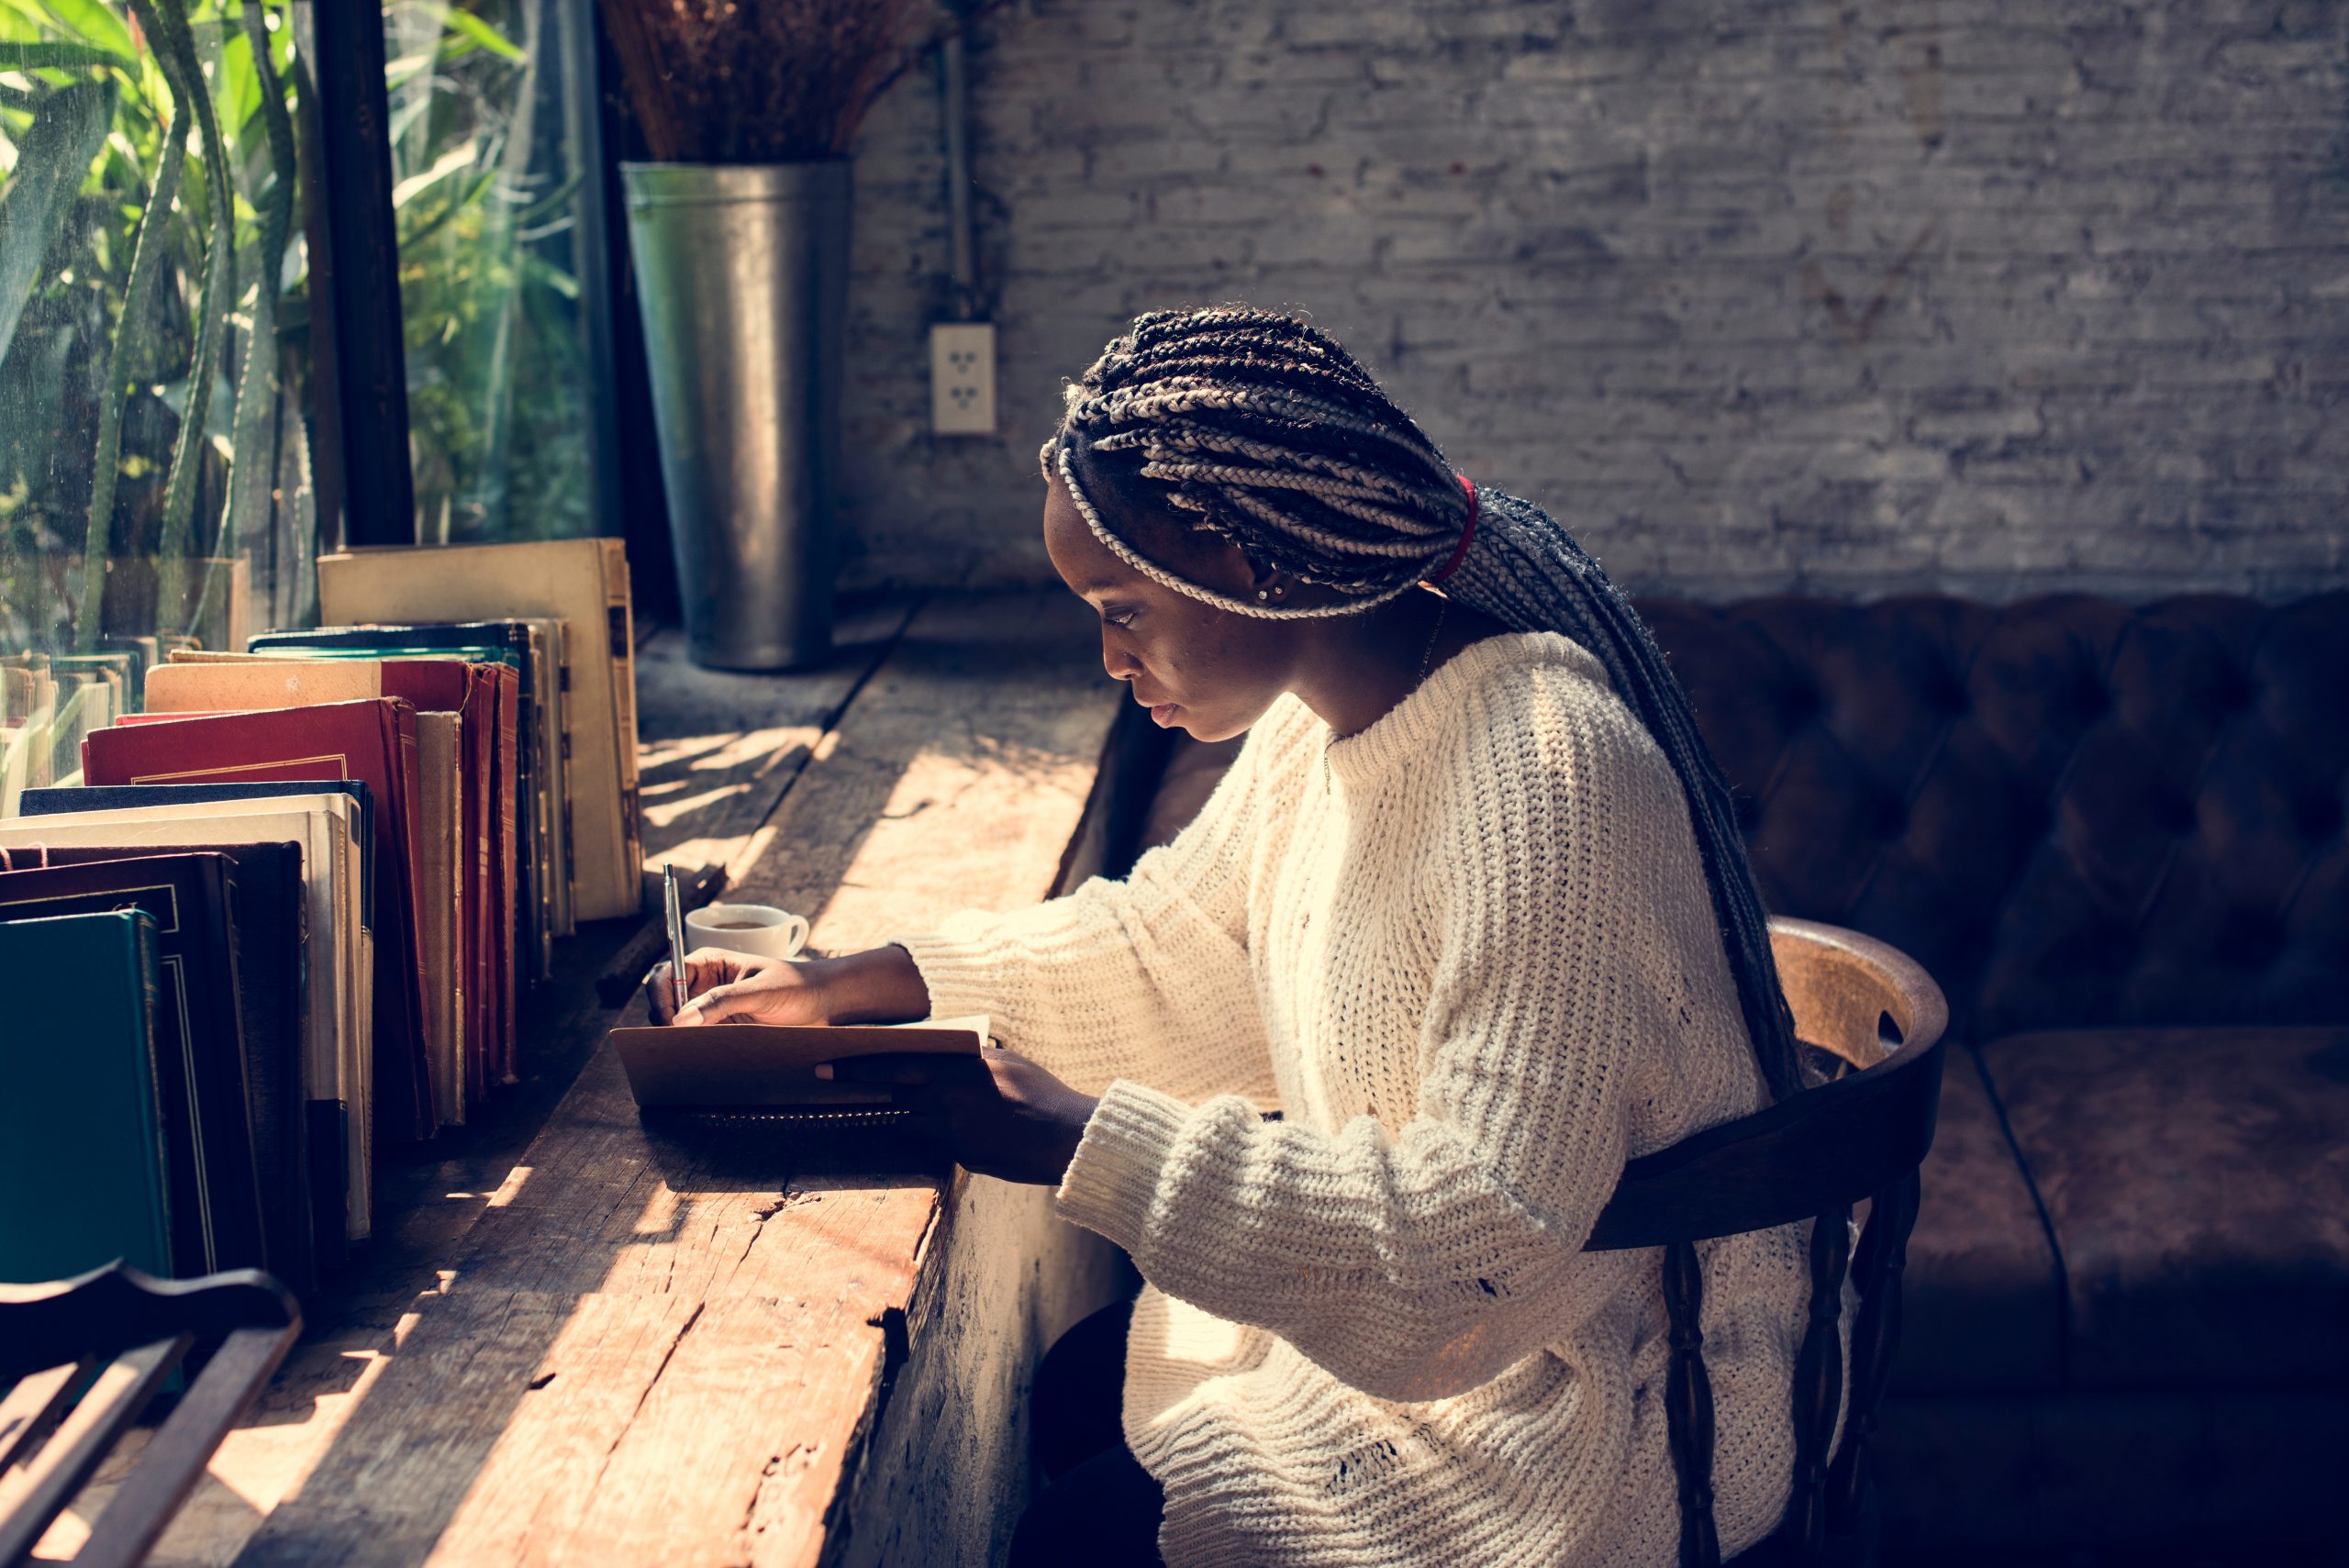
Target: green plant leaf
[(252, 459), (23, 20), (165, 21), (465, 25), (454, 161), (57, 56), (129, 350), (68, 132), (235, 87), (93, 22)]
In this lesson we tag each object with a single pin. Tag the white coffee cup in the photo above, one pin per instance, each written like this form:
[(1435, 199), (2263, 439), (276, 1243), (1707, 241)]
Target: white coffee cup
[(760, 928)]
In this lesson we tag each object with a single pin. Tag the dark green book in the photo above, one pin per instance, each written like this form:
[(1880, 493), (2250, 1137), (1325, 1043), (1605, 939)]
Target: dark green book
[(301, 1130), (212, 1180), (81, 1178)]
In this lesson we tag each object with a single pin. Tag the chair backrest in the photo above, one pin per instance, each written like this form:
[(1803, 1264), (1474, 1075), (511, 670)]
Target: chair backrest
[(58, 1421), (1860, 1136)]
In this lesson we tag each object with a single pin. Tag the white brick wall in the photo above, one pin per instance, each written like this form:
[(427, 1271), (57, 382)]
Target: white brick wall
[(1756, 294)]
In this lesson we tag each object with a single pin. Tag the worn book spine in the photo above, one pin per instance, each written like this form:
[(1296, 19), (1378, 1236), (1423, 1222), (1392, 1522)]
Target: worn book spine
[(483, 888), (620, 616), (507, 904), (442, 919), (409, 781), (534, 802), (266, 900), (151, 996), (565, 717)]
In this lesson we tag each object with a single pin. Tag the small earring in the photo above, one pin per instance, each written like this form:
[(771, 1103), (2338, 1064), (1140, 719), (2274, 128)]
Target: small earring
[(1277, 591)]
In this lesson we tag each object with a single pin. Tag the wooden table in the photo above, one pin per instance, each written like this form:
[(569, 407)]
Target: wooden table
[(576, 1342)]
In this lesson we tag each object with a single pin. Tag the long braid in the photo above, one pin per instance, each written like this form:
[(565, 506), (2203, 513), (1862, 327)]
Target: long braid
[(1269, 435)]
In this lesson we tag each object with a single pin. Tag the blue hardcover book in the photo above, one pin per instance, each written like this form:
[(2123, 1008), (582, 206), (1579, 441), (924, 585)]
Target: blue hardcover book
[(82, 1152), (57, 801)]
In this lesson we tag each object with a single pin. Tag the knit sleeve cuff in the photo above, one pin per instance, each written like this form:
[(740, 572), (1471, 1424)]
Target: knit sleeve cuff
[(1111, 1183), (962, 974)]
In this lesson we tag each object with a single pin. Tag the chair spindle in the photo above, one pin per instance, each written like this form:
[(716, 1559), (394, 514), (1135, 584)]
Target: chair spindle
[(1819, 1384), (1688, 1406), (1884, 1253)]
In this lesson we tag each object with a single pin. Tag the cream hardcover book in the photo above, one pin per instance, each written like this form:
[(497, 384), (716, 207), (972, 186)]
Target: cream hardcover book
[(582, 583)]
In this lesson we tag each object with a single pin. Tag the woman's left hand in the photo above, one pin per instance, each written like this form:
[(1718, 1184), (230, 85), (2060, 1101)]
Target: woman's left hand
[(998, 1113)]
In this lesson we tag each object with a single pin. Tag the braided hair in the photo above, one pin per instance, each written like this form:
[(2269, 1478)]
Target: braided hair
[(1271, 437)]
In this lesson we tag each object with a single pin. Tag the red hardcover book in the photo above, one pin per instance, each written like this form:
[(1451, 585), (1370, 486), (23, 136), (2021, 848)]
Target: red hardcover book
[(483, 696), (374, 741)]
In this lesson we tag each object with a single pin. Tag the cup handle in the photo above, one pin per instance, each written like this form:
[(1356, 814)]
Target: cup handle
[(795, 943)]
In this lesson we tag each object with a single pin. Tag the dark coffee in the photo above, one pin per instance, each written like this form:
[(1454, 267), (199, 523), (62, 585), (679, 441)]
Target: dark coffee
[(738, 925)]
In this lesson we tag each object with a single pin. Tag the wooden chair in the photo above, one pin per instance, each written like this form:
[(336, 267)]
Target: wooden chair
[(1860, 1135), (138, 1330)]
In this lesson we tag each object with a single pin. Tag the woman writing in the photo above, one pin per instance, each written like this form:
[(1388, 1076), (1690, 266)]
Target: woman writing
[(1469, 911)]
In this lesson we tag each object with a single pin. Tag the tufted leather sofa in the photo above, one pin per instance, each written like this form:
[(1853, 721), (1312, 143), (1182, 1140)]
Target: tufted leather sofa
[(2114, 834)]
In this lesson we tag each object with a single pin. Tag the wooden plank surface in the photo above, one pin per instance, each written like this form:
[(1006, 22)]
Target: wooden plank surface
[(718, 749), (642, 1351)]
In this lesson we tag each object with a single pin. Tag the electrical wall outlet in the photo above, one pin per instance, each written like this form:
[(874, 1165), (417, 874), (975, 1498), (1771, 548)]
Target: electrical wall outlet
[(962, 378)]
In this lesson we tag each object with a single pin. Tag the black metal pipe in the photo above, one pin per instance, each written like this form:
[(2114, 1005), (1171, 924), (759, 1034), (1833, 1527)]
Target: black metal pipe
[(591, 252), (359, 365)]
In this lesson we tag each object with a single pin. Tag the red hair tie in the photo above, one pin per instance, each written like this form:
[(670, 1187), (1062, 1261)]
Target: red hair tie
[(1460, 550)]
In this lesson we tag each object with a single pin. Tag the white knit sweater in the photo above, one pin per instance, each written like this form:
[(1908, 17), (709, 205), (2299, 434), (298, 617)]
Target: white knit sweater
[(1468, 954)]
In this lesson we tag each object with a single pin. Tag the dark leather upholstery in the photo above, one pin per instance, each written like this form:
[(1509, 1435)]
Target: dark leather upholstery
[(2190, 1478), (2071, 811), (2197, 1181), (1982, 1299)]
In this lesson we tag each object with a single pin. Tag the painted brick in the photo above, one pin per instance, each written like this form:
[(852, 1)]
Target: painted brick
[(1754, 298)]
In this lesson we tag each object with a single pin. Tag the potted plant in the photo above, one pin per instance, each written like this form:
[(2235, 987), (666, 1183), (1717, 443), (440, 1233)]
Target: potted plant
[(739, 231)]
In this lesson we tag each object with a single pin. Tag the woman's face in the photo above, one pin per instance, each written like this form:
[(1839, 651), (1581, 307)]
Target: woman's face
[(1206, 669)]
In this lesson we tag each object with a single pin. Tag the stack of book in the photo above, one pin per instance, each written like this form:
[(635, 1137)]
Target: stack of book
[(313, 879)]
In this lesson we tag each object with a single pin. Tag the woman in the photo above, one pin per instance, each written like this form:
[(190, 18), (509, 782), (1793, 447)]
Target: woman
[(1469, 911)]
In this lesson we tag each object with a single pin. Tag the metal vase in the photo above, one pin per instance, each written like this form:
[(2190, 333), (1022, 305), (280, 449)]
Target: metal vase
[(742, 278)]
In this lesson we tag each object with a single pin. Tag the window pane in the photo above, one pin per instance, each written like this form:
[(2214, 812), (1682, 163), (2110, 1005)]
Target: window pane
[(154, 470), (487, 181)]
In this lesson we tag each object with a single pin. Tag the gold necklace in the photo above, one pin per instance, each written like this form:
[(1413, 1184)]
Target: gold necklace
[(1427, 663)]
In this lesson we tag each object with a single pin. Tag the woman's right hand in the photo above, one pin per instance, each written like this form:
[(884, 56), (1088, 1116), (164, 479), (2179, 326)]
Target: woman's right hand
[(879, 985), (723, 986)]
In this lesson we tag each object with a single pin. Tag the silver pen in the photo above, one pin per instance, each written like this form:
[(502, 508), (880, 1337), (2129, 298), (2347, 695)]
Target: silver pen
[(676, 918)]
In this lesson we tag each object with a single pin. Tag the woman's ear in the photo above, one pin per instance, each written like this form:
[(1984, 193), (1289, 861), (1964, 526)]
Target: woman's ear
[(1267, 586)]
